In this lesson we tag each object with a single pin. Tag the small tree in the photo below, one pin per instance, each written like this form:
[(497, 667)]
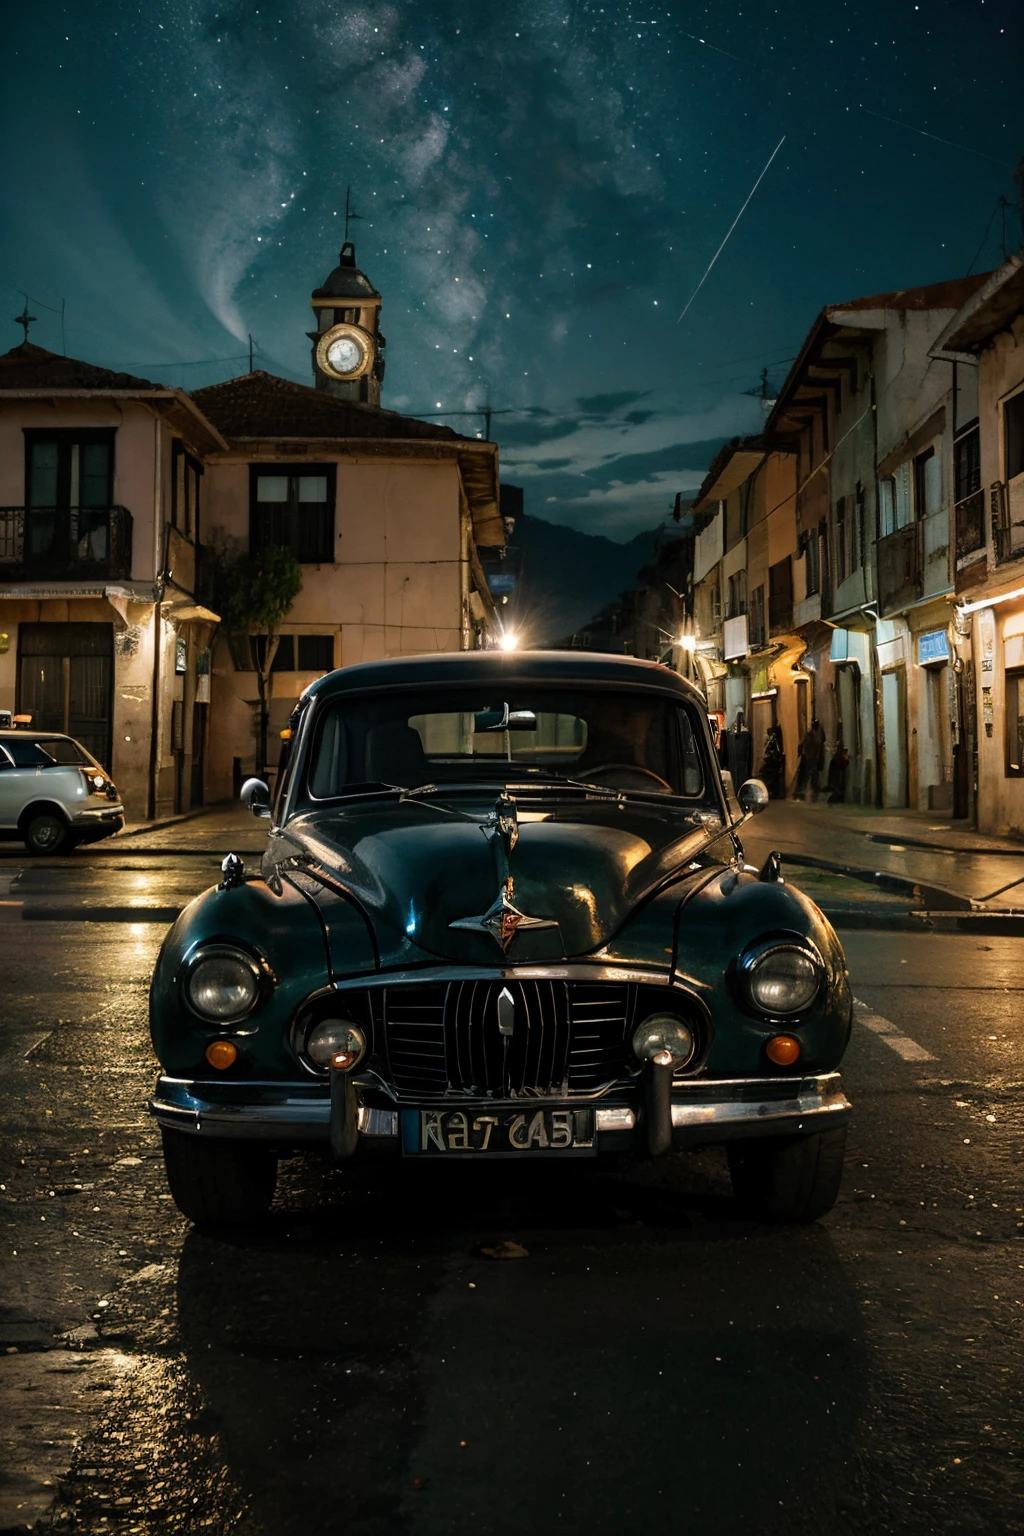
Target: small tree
[(257, 592)]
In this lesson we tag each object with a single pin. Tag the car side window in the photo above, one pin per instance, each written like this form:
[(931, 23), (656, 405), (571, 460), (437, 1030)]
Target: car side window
[(6, 760), (693, 772), (29, 754)]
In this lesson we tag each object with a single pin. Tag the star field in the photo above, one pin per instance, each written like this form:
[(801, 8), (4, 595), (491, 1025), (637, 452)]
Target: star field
[(541, 188)]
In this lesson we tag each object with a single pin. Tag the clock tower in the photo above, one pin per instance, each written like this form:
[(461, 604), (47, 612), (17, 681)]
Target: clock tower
[(348, 348)]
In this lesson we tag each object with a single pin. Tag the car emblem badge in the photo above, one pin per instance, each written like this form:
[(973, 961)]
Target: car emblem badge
[(506, 1012), (502, 920)]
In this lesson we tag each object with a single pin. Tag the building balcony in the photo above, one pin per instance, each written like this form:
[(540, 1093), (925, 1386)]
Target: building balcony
[(1007, 508), (65, 543), (899, 569), (969, 515)]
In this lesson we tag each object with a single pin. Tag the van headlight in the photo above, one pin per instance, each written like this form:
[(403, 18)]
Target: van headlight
[(222, 984), (781, 978)]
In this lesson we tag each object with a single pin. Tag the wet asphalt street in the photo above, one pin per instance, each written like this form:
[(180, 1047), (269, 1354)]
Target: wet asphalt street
[(651, 1361)]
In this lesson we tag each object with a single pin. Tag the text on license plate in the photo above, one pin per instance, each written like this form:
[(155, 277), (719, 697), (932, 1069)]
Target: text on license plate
[(499, 1131)]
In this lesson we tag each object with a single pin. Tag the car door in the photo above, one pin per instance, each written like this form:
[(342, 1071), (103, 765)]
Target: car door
[(11, 789)]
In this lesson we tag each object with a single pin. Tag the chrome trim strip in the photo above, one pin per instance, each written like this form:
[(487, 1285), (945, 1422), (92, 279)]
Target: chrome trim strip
[(618, 1118), (765, 1115), (575, 971)]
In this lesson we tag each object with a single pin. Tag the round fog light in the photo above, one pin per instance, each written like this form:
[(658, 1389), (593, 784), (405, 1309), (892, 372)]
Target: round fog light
[(784, 1050), (335, 1037), (663, 1036)]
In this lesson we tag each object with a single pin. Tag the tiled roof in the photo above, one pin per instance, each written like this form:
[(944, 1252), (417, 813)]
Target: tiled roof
[(947, 295), (30, 367), (261, 405)]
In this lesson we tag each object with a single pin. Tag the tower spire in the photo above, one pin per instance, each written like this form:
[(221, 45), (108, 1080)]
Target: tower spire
[(25, 319)]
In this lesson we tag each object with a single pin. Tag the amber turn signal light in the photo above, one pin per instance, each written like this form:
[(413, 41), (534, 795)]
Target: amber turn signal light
[(341, 1061), (221, 1054), (784, 1050)]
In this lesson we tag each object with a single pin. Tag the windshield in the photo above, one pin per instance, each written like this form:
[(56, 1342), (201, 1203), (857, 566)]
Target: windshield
[(600, 737), (47, 752)]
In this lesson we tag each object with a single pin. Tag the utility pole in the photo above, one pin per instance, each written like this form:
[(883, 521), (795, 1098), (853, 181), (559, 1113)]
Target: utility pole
[(250, 351)]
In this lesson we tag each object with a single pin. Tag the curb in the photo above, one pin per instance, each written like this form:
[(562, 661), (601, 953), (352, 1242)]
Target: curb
[(920, 842), (896, 885)]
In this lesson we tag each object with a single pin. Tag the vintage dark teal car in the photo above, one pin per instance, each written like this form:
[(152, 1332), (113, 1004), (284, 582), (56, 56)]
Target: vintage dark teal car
[(504, 912)]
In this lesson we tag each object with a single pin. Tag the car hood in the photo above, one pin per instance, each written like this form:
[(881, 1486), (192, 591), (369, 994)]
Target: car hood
[(417, 869)]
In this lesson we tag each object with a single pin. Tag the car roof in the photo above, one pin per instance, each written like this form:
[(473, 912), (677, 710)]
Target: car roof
[(30, 735), (503, 668)]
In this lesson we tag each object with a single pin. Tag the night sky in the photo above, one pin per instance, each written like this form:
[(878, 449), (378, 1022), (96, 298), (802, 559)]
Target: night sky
[(542, 188)]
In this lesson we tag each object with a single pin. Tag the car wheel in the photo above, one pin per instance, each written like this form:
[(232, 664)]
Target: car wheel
[(46, 832), (219, 1183), (788, 1178)]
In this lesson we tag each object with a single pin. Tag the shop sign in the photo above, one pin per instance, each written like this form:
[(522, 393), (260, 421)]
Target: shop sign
[(987, 635), (932, 648)]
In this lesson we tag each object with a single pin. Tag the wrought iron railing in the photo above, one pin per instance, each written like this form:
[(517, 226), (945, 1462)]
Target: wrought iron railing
[(65, 543), (970, 525), (1005, 506)]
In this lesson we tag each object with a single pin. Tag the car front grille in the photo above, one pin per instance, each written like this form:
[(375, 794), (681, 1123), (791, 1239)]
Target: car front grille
[(560, 1038)]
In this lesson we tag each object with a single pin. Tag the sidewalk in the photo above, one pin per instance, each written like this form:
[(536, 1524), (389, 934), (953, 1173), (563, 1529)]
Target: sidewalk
[(221, 828), (934, 865)]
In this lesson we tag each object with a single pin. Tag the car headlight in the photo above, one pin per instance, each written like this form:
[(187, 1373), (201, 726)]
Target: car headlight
[(331, 1036), (664, 1034), (782, 978), (222, 985)]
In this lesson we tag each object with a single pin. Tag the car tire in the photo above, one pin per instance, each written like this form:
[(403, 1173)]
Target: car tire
[(788, 1178), (217, 1183), (45, 832)]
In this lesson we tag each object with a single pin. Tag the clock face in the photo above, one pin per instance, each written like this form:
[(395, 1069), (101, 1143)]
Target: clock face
[(345, 352)]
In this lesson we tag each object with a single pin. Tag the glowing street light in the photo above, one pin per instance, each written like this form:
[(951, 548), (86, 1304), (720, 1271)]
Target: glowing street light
[(509, 640)]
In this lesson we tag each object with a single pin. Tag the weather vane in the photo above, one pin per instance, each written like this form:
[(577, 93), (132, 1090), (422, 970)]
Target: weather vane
[(25, 319), (350, 212)]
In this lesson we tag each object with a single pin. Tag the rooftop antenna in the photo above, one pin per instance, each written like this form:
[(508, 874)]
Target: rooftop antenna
[(250, 351), (350, 212), (25, 319)]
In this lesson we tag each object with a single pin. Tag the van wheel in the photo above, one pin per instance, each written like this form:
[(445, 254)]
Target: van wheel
[(45, 832), (788, 1178), (219, 1183)]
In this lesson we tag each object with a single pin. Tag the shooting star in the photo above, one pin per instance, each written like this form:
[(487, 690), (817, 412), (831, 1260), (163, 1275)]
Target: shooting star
[(732, 226)]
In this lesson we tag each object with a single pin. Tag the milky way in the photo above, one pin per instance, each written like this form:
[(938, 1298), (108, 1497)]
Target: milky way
[(541, 187)]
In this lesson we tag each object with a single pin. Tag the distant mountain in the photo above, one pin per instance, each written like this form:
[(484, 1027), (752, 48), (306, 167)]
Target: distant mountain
[(568, 576)]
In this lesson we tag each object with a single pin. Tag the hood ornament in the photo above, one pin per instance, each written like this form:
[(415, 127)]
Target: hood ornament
[(503, 919)]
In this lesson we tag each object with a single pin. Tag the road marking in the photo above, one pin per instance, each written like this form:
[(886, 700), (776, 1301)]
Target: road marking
[(890, 1034)]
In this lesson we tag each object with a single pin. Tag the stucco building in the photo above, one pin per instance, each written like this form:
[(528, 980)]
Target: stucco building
[(984, 342), (119, 499)]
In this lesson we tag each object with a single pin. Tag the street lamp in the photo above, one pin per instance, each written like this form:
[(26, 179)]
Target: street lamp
[(509, 640)]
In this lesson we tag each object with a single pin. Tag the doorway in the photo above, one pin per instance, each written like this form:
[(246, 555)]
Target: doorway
[(65, 681), (894, 737)]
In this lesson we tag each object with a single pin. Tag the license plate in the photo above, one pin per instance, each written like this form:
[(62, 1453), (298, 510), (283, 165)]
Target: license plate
[(498, 1132)]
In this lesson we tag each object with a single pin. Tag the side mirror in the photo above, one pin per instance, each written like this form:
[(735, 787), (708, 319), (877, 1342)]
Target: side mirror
[(753, 797), (255, 797)]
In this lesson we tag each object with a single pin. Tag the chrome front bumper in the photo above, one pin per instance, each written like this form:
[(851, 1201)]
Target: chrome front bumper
[(722, 1109)]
